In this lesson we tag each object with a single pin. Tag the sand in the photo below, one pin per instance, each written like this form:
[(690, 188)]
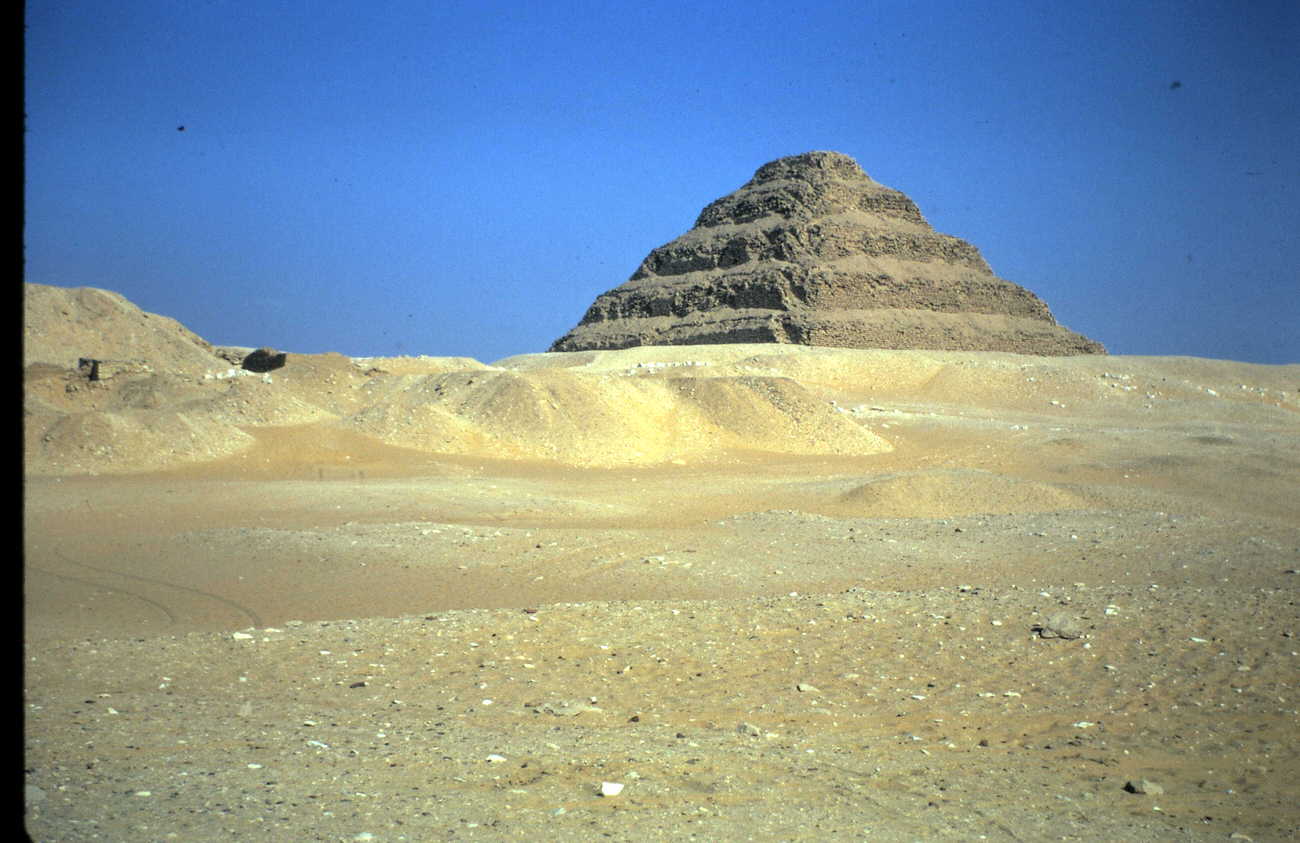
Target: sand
[(775, 593)]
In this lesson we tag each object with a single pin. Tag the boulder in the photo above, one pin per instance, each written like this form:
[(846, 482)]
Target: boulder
[(264, 360)]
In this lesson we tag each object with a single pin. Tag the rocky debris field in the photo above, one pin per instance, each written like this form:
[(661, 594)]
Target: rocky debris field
[(943, 713)]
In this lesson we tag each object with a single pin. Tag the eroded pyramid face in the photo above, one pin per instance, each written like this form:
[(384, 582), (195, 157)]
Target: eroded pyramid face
[(813, 251)]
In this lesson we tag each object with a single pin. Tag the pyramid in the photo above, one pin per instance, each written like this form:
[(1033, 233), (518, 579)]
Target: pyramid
[(813, 251)]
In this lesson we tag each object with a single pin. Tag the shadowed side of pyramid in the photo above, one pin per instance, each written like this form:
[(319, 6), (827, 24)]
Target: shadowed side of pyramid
[(813, 251)]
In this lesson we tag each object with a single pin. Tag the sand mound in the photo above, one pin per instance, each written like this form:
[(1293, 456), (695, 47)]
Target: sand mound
[(954, 492), (607, 420), (63, 324), (133, 440), (151, 421)]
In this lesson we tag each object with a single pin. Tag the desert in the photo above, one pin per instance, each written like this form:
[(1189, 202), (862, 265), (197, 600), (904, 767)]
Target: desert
[(813, 529), (659, 422), (722, 592)]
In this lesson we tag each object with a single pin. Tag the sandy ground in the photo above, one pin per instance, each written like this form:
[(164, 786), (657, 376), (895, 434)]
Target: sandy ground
[(1064, 577)]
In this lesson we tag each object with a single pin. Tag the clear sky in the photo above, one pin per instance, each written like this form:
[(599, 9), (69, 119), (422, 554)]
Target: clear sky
[(464, 178)]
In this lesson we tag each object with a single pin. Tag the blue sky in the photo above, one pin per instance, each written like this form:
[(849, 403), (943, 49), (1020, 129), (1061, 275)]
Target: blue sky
[(464, 178)]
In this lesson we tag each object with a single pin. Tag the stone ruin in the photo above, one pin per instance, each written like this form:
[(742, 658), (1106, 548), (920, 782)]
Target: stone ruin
[(96, 369)]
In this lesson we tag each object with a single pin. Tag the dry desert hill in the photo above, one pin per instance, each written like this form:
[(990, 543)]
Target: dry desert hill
[(713, 592)]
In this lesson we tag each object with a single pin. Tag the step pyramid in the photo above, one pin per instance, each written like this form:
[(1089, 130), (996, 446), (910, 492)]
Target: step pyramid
[(813, 251)]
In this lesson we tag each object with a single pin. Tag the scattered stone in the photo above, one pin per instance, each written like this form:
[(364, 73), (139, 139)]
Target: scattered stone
[(805, 688), (749, 729), (567, 708)]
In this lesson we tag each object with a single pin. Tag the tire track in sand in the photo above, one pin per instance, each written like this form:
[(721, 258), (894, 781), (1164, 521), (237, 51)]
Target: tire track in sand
[(243, 610), (171, 618)]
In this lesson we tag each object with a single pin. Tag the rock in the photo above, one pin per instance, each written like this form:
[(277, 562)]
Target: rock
[(611, 788), (1060, 625), (264, 360), (812, 251), (231, 353), (1146, 787)]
